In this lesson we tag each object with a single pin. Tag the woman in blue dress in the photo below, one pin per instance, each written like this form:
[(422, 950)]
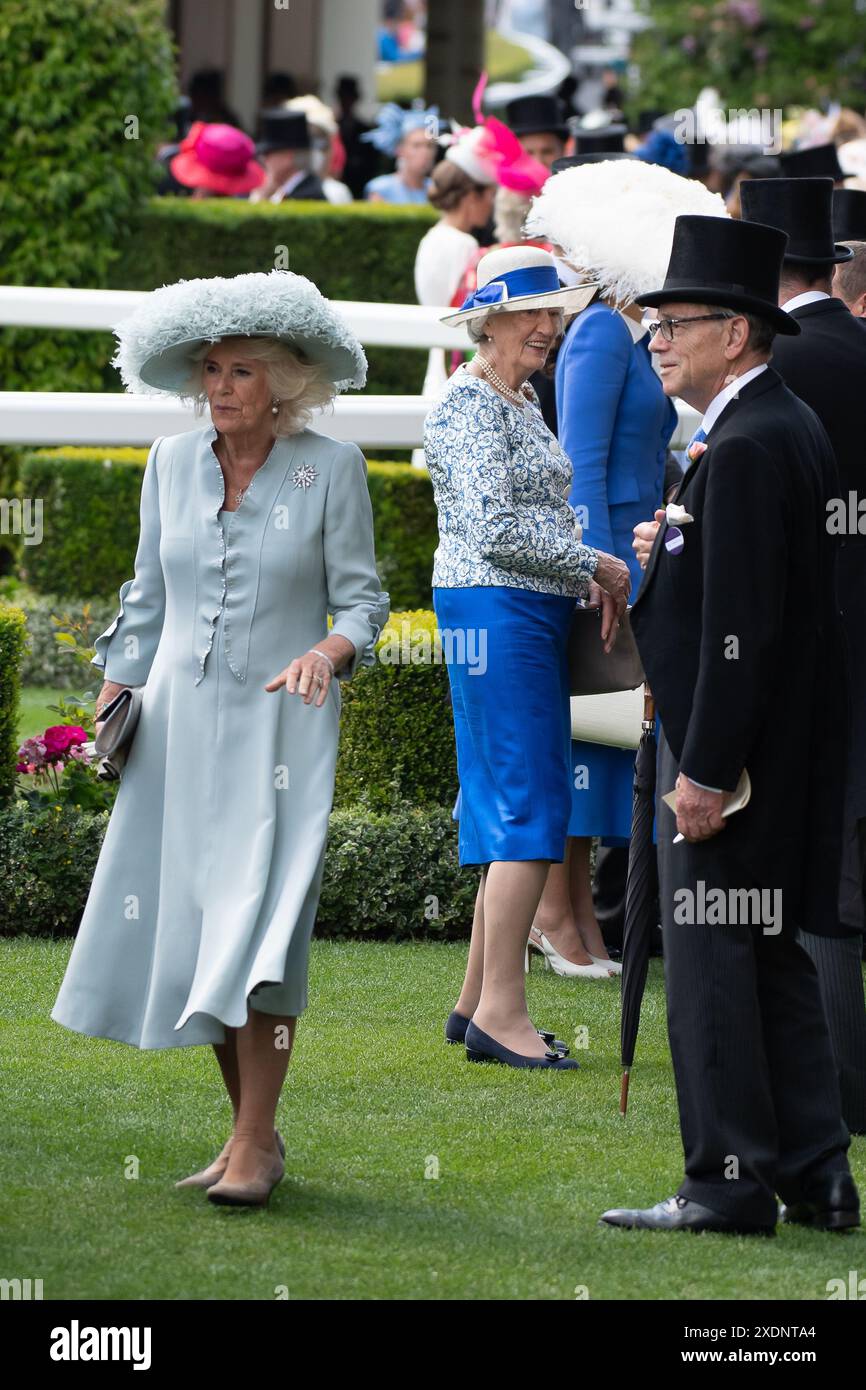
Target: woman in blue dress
[(509, 566), (615, 424)]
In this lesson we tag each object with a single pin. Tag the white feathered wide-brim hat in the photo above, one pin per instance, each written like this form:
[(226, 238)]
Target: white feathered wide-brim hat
[(520, 277), (615, 221), (156, 342)]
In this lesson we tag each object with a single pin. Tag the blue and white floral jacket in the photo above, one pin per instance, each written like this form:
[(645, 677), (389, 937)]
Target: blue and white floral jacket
[(501, 483)]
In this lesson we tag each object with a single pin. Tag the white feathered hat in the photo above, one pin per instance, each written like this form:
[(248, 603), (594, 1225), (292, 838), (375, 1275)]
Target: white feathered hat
[(615, 221), (156, 342)]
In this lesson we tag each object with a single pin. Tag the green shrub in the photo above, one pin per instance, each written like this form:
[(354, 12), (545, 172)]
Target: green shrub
[(90, 510), (88, 91), (11, 648), (359, 251), (47, 662), (47, 860), (386, 876), (395, 875), (90, 517), (396, 730), (404, 516)]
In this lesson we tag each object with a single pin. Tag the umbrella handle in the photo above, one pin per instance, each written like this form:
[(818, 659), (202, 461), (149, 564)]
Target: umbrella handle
[(623, 1092), (649, 707)]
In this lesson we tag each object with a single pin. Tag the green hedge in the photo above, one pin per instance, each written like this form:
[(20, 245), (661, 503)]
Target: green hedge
[(90, 511), (45, 661), (396, 730), (12, 636), (386, 876), (88, 91), (359, 251)]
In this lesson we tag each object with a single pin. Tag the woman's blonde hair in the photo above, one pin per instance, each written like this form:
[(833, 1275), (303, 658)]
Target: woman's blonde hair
[(301, 387)]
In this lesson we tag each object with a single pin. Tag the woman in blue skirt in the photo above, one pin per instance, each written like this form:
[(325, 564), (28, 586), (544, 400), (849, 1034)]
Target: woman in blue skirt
[(508, 569)]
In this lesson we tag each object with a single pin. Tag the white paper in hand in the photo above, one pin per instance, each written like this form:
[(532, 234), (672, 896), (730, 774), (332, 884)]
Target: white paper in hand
[(735, 800)]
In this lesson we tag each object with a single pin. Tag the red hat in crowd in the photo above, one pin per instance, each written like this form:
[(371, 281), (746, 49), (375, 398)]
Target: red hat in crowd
[(219, 158)]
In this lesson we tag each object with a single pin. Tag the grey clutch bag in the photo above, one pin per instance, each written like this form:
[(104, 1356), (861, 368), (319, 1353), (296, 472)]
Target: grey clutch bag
[(591, 670), (113, 742)]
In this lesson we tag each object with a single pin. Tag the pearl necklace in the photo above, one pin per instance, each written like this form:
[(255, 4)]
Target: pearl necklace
[(518, 397)]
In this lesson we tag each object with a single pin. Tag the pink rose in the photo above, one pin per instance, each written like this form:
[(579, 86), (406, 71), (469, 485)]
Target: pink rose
[(60, 736), (696, 449)]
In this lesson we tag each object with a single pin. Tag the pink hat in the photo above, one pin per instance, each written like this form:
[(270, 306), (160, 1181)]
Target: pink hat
[(219, 158)]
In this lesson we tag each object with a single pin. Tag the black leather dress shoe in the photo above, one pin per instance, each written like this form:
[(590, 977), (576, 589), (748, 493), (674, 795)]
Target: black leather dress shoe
[(679, 1214), (830, 1203)]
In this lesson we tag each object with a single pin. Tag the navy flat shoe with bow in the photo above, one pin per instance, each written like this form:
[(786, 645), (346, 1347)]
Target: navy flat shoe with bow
[(480, 1047), (456, 1025)]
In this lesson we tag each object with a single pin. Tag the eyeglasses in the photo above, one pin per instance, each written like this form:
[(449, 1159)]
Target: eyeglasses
[(666, 326)]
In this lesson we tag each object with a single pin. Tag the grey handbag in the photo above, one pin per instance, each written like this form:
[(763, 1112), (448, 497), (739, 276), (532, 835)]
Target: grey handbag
[(113, 742), (591, 670)]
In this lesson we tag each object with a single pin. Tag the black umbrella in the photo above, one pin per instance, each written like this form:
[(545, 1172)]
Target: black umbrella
[(640, 893)]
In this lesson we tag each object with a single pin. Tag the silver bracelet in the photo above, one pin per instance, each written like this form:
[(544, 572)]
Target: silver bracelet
[(325, 655)]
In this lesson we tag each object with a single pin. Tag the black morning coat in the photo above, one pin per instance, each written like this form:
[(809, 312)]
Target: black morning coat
[(825, 365), (756, 577)]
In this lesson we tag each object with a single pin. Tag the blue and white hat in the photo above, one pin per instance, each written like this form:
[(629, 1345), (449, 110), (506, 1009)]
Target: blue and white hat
[(520, 277)]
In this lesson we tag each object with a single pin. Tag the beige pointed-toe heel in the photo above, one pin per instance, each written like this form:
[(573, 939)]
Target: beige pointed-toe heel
[(207, 1177), (249, 1194)]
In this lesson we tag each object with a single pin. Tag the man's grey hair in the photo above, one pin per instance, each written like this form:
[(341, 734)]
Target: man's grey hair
[(761, 330)]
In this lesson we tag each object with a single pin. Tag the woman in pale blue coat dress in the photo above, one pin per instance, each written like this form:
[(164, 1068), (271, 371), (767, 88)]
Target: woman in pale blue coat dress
[(253, 529)]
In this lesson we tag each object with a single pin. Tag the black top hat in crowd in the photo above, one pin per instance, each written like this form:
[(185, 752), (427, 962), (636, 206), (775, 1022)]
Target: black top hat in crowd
[(541, 115), (283, 130), (608, 140), (720, 260), (573, 161), (801, 207), (819, 162), (849, 214)]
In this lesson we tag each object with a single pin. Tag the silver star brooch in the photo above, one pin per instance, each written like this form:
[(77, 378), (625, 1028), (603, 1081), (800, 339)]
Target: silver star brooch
[(304, 476)]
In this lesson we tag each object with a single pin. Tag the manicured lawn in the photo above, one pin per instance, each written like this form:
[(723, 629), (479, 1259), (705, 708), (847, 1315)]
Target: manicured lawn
[(374, 1098), (34, 714)]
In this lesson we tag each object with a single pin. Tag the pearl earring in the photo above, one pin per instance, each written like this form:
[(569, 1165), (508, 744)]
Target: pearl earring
[(275, 407)]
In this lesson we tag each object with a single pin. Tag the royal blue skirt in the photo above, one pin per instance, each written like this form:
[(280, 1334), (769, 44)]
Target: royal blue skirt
[(506, 651)]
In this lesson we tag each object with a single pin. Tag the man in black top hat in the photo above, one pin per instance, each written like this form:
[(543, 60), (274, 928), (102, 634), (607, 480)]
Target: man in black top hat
[(739, 634), (849, 280), (539, 124), (285, 149), (826, 367), (849, 214), (605, 140), (849, 228), (817, 162)]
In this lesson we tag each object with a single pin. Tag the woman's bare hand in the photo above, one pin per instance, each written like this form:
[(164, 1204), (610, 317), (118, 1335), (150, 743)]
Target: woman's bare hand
[(599, 598), (105, 696), (305, 676), (612, 575)]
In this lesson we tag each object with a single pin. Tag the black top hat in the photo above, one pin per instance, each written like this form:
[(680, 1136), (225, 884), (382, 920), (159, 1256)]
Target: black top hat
[(536, 116), (607, 140), (849, 214), (283, 130), (573, 161), (819, 162), (801, 207), (720, 260)]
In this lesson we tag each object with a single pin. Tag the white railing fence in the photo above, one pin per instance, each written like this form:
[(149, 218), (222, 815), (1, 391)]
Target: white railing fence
[(72, 417)]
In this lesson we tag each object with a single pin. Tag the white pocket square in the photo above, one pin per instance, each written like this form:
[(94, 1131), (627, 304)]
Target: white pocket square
[(677, 515)]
